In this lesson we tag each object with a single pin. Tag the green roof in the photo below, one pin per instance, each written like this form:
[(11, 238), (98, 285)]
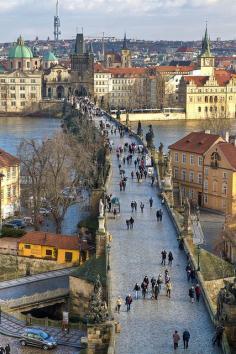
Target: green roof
[(49, 56), (20, 51)]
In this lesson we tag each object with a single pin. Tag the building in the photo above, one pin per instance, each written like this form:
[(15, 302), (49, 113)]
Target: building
[(57, 82), (21, 84), (118, 60), (60, 248), (82, 69), (204, 170), (208, 92), (10, 184)]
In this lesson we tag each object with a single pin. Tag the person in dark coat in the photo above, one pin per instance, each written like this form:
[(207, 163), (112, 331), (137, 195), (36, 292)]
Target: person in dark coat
[(158, 215), (151, 202), (7, 349), (163, 257), (170, 258), (191, 294), (128, 302), (218, 335), (131, 220), (186, 337), (156, 290), (136, 289), (198, 292)]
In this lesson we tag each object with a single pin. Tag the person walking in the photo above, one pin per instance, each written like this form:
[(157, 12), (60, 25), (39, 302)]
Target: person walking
[(156, 291), (128, 224), (159, 281), (168, 288), (151, 202), (144, 289), (118, 304), (135, 205), (132, 175), (170, 258), (7, 349), (163, 257), (2, 350), (128, 302), (131, 220), (218, 335), (186, 337), (176, 339), (192, 275), (141, 207), (132, 206), (152, 179), (160, 214), (136, 289), (188, 271), (197, 292), (153, 282), (191, 294)]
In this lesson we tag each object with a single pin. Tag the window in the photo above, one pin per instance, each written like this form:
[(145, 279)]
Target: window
[(22, 104), (199, 109), (13, 95), (199, 178), (12, 88), (12, 80), (205, 198), (22, 88), (13, 103), (22, 81), (2, 193), (200, 161), (28, 64), (68, 256), (3, 80), (14, 191), (22, 95), (224, 189), (33, 95), (224, 175), (191, 176), (33, 81), (8, 192), (176, 172), (176, 157), (191, 159), (206, 184), (183, 158), (48, 252), (183, 175), (206, 171), (27, 247)]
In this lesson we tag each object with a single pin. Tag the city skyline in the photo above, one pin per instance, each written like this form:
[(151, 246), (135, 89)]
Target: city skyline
[(166, 20)]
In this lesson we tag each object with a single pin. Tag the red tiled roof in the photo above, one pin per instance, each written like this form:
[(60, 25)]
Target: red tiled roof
[(176, 68), (197, 80), (185, 50), (53, 240), (195, 142), (229, 151), (222, 76), (8, 160)]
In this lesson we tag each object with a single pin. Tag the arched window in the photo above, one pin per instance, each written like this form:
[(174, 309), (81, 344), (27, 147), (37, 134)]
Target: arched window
[(224, 189), (206, 109), (206, 99), (215, 158), (199, 109), (211, 99), (215, 99)]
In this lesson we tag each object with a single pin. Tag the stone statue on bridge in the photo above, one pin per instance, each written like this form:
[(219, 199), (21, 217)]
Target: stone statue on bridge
[(150, 137), (98, 312), (101, 208)]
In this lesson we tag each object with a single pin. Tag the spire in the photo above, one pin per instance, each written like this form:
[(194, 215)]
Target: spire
[(20, 41), (125, 47), (206, 44)]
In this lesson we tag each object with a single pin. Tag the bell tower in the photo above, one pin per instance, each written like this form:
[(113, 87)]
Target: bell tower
[(206, 59), (125, 55)]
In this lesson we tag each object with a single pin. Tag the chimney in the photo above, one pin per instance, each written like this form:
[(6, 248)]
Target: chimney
[(207, 131), (227, 136)]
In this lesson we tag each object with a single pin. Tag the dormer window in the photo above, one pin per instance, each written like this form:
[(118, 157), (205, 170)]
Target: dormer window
[(215, 158)]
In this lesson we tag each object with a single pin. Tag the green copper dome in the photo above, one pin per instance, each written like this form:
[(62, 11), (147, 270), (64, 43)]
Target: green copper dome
[(20, 51), (49, 56)]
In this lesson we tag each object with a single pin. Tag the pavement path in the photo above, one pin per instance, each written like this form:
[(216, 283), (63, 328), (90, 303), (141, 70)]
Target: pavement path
[(148, 327)]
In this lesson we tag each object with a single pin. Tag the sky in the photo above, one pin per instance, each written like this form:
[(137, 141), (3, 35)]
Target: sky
[(141, 19)]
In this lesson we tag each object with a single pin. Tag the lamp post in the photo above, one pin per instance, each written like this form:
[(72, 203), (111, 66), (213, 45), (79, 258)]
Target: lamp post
[(1, 177), (108, 256)]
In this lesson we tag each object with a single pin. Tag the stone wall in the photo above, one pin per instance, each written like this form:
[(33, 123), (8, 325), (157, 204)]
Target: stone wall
[(80, 293), (99, 337), (21, 264)]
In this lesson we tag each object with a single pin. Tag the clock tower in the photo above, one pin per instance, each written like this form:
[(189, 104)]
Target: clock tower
[(206, 59)]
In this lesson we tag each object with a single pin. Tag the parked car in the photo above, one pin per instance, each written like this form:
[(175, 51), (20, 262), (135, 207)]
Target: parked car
[(28, 220), (15, 224), (44, 211), (37, 338)]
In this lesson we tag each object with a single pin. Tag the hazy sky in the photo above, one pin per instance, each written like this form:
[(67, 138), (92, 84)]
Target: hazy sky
[(144, 19)]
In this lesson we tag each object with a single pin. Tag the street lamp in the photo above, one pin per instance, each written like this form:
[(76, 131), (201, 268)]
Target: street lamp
[(1, 177), (108, 256)]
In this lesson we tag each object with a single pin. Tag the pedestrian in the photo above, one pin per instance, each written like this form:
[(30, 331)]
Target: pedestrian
[(132, 174), (144, 289), (128, 224), (146, 280), (192, 275), (145, 174), (135, 205), (156, 291), (121, 185), (7, 349), (128, 302), (141, 206), (176, 339), (168, 288), (152, 179), (160, 214), (197, 292), (170, 258), (186, 337), (136, 289), (118, 304), (188, 271), (163, 257), (159, 281), (153, 282), (132, 206), (135, 164), (124, 160), (151, 202), (2, 350), (191, 294), (218, 335), (114, 212), (131, 220)]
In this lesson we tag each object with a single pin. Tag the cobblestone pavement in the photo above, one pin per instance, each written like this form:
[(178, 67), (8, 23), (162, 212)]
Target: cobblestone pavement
[(148, 327), (17, 349)]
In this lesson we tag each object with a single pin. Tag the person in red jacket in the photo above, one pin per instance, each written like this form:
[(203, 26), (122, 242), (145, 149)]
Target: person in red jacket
[(197, 292)]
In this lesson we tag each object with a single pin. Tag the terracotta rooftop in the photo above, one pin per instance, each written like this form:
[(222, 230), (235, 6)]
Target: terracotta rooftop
[(195, 142), (185, 50), (197, 80), (7, 160), (229, 151), (222, 77), (176, 68), (53, 240)]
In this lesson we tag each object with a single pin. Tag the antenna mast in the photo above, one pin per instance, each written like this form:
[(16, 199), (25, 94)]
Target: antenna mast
[(57, 23)]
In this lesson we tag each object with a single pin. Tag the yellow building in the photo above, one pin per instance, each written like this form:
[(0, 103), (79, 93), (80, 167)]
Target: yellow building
[(204, 170), (208, 92), (60, 248), (10, 184), (57, 82)]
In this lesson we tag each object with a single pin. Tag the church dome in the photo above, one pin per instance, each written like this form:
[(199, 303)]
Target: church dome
[(20, 51), (49, 56)]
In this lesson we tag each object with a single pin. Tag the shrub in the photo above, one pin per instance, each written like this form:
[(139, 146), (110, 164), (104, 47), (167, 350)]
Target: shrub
[(91, 223), (6, 232)]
